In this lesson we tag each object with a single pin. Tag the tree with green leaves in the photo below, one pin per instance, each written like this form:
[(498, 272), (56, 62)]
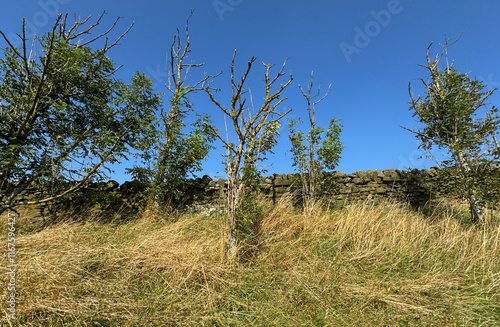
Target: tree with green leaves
[(176, 153), (457, 122), (256, 133), (311, 156), (64, 116)]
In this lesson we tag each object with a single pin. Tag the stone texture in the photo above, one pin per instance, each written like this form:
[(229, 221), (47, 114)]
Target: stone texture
[(340, 187)]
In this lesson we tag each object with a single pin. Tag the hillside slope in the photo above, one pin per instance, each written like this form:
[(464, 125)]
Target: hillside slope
[(363, 265)]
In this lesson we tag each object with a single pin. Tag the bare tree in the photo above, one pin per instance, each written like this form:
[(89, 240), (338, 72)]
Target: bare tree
[(249, 126)]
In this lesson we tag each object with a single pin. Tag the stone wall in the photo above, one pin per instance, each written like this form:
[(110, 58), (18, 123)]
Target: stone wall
[(341, 188), (338, 187)]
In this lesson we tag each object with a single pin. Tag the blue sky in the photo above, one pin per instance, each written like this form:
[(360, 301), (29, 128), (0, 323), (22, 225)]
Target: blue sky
[(368, 50)]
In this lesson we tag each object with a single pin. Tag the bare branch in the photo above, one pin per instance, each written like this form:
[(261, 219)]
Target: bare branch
[(177, 54), (73, 33), (80, 183), (247, 126), (221, 107), (12, 47), (236, 96)]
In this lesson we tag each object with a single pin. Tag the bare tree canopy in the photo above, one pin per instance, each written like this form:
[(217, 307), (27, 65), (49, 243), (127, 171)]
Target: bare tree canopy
[(255, 132)]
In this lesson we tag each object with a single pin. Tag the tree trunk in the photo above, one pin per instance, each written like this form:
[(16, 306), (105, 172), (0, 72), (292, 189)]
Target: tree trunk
[(476, 207), (234, 192), (312, 172), (232, 240)]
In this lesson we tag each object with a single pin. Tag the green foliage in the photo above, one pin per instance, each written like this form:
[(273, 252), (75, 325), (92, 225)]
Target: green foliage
[(450, 112), (422, 182), (298, 145), (180, 155), (250, 213), (312, 159), (457, 122), (248, 218), (329, 153), (310, 155), (259, 145), (176, 154), (64, 116), (484, 180)]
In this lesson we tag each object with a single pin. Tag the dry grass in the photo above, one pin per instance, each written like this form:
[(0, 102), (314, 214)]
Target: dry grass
[(364, 265)]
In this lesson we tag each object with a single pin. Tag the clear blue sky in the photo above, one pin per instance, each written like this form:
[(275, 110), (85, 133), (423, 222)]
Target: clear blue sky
[(369, 73)]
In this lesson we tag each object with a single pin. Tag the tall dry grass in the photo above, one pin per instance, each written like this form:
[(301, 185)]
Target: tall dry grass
[(392, 255), (363, 265)]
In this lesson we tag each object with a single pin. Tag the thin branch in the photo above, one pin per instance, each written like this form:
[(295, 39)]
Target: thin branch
[(68, 35), (80, 183), (12, 47)]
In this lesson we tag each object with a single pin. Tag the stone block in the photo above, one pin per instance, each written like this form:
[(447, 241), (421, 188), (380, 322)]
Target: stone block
[(340, 174), (375, 174), (281, 180), (345, 190), (391, 172), (281, 190), (390, 178), (361, 174)]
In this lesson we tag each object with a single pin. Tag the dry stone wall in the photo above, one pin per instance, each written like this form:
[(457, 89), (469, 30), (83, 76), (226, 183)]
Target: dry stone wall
[(339, 188), (414, 186)]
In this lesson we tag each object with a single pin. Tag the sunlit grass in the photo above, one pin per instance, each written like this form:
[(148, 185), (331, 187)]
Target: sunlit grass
[(363, 265)]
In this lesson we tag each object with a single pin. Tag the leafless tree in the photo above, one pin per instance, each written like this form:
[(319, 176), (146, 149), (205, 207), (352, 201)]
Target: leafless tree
[(248, 125)]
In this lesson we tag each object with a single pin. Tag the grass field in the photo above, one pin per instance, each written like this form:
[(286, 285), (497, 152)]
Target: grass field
[(362, 265)]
